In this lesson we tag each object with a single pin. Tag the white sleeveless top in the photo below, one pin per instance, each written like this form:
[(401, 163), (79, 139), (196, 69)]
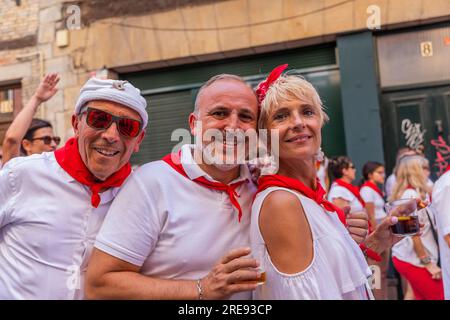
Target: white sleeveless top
[(338, 270)]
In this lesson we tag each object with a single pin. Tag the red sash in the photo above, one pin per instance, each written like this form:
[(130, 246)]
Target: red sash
[(174, 161), (318, 195), (68, 157)]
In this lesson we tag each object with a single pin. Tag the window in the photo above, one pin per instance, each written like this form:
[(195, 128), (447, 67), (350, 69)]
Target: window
[(10, 105), (10, 100)]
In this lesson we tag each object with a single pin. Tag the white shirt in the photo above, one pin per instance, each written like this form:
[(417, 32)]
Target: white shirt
[(370, 195), (337, 191), (389, 185), (47, 229), (441, 205), (404, 249), (338, 270), (173, 227)]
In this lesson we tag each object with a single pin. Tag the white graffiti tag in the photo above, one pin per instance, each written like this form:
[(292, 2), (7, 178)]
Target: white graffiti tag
[(414, 135)]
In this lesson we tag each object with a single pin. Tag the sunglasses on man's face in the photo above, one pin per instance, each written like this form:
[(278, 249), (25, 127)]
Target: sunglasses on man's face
[(48, 139), (102, 120)]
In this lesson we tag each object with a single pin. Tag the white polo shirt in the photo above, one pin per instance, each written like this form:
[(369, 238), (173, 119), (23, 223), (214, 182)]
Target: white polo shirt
[(441, 205), (172, 227), (47, 229), (339, 192), (370, 195)]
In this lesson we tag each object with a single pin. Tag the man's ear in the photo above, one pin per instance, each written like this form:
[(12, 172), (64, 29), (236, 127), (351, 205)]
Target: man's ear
[(139, 141), (26, 145), (76, 124), (192, 122)]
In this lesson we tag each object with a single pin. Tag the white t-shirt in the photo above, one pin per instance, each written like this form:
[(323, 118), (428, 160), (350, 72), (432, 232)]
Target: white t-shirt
[(47, 229), (404, 250), (370, 195), (389, 185), (172, 227), (441, 205), (338, 270), (337, 191)]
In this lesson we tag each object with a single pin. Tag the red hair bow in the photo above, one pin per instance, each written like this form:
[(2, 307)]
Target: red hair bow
[(265, 85)]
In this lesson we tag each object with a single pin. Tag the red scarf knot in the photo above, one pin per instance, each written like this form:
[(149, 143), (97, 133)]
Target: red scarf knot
[(174, 160), (318, 195), (264, 86), (68, 157)]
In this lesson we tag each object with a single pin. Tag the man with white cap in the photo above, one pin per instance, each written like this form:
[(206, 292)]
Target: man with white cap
[(53, 204)]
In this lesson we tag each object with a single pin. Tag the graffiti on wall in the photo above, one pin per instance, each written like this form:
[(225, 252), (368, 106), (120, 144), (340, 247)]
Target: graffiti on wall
[(414, 135), (442, 155)]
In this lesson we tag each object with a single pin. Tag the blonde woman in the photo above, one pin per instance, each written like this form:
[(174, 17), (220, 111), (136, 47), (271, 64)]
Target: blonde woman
[(415, 257), (300, 238)]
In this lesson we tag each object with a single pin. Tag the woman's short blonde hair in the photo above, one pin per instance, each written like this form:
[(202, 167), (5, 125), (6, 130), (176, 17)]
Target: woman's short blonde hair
[(288, 88)]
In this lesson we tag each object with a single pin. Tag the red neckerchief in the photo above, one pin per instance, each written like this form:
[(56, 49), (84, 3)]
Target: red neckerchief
[(174, 161), (271, 78), (353, 189), (68, 157), (318, 195), (374, 187)]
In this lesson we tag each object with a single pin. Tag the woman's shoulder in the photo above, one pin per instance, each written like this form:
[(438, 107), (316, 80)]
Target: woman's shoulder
[(337, 191)]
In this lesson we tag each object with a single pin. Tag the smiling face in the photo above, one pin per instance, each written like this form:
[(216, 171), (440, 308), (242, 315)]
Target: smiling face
[(37, 144), (293, 107), (226, 105), (105, 151), (299, 126)]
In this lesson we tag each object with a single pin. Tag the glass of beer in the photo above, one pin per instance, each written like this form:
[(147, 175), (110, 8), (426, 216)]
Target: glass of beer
[(262, 278), (406, 212)]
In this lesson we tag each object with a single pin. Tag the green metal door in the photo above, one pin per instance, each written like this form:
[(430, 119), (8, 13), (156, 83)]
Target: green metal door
[(418, 118)]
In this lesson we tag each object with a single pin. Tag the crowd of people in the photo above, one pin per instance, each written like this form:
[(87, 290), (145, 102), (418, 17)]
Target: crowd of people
[(79, 223)]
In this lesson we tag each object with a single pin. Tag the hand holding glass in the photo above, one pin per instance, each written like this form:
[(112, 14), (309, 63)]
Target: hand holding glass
[(406, 212)]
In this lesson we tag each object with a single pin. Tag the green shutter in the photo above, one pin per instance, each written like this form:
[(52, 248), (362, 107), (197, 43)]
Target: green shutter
[(166, 112)]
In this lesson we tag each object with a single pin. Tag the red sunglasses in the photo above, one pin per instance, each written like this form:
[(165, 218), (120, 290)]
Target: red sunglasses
[(102, 120)]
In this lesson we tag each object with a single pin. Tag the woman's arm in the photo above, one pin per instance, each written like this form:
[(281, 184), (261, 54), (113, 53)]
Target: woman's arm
[(421, 252), (370, 209), (18, 128), (286, 232), (341, 203)]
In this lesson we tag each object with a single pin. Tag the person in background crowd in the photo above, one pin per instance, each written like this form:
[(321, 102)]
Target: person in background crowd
[(441, 205), (390, 181), (27, 135), (373, 175), (342, 193), (48, 224), (415, 257)]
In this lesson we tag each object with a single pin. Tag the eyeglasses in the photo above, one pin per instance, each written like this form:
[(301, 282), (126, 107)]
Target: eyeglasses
[(102, 120), (48, 139)]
